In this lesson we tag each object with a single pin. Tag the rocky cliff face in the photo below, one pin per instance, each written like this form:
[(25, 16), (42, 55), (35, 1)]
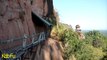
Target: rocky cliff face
[(16, 20), (15, 16), (48, 50), (43, 8)]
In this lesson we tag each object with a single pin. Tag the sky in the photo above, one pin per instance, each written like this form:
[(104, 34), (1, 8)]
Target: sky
[(89, 14)]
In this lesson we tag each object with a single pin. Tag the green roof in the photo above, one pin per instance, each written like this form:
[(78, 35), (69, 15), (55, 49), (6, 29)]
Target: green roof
[(43, 20)]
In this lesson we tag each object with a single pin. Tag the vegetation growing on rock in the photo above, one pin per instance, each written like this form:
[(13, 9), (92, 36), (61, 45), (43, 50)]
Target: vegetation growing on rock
[(93, 47)]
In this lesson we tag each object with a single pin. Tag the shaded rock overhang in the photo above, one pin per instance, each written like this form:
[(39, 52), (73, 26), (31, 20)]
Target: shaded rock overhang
[(39, 20)]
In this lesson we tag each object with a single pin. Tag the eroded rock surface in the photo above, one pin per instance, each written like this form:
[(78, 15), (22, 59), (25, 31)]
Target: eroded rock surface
[(16, 18), (16, 21), (48, 50)]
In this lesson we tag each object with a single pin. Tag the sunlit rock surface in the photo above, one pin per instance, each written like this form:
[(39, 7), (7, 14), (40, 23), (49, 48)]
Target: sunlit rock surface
[(50, 50)]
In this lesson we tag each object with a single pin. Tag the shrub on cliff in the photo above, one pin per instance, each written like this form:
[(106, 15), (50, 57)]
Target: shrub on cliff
[(86, 49), (94, 47)]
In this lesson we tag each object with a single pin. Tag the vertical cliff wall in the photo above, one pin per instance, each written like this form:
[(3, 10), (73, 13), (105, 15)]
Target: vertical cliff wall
[(16, 21), (15, 16), (43, 8)]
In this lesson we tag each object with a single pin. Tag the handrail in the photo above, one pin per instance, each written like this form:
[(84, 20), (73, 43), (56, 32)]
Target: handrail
[(18, 39), (36, 38)]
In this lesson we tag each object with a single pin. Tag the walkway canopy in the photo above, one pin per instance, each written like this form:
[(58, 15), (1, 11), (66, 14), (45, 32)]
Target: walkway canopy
[(39, 20)]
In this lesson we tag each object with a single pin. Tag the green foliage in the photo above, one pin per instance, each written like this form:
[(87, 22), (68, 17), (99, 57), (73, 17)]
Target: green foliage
[(94, 47)]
